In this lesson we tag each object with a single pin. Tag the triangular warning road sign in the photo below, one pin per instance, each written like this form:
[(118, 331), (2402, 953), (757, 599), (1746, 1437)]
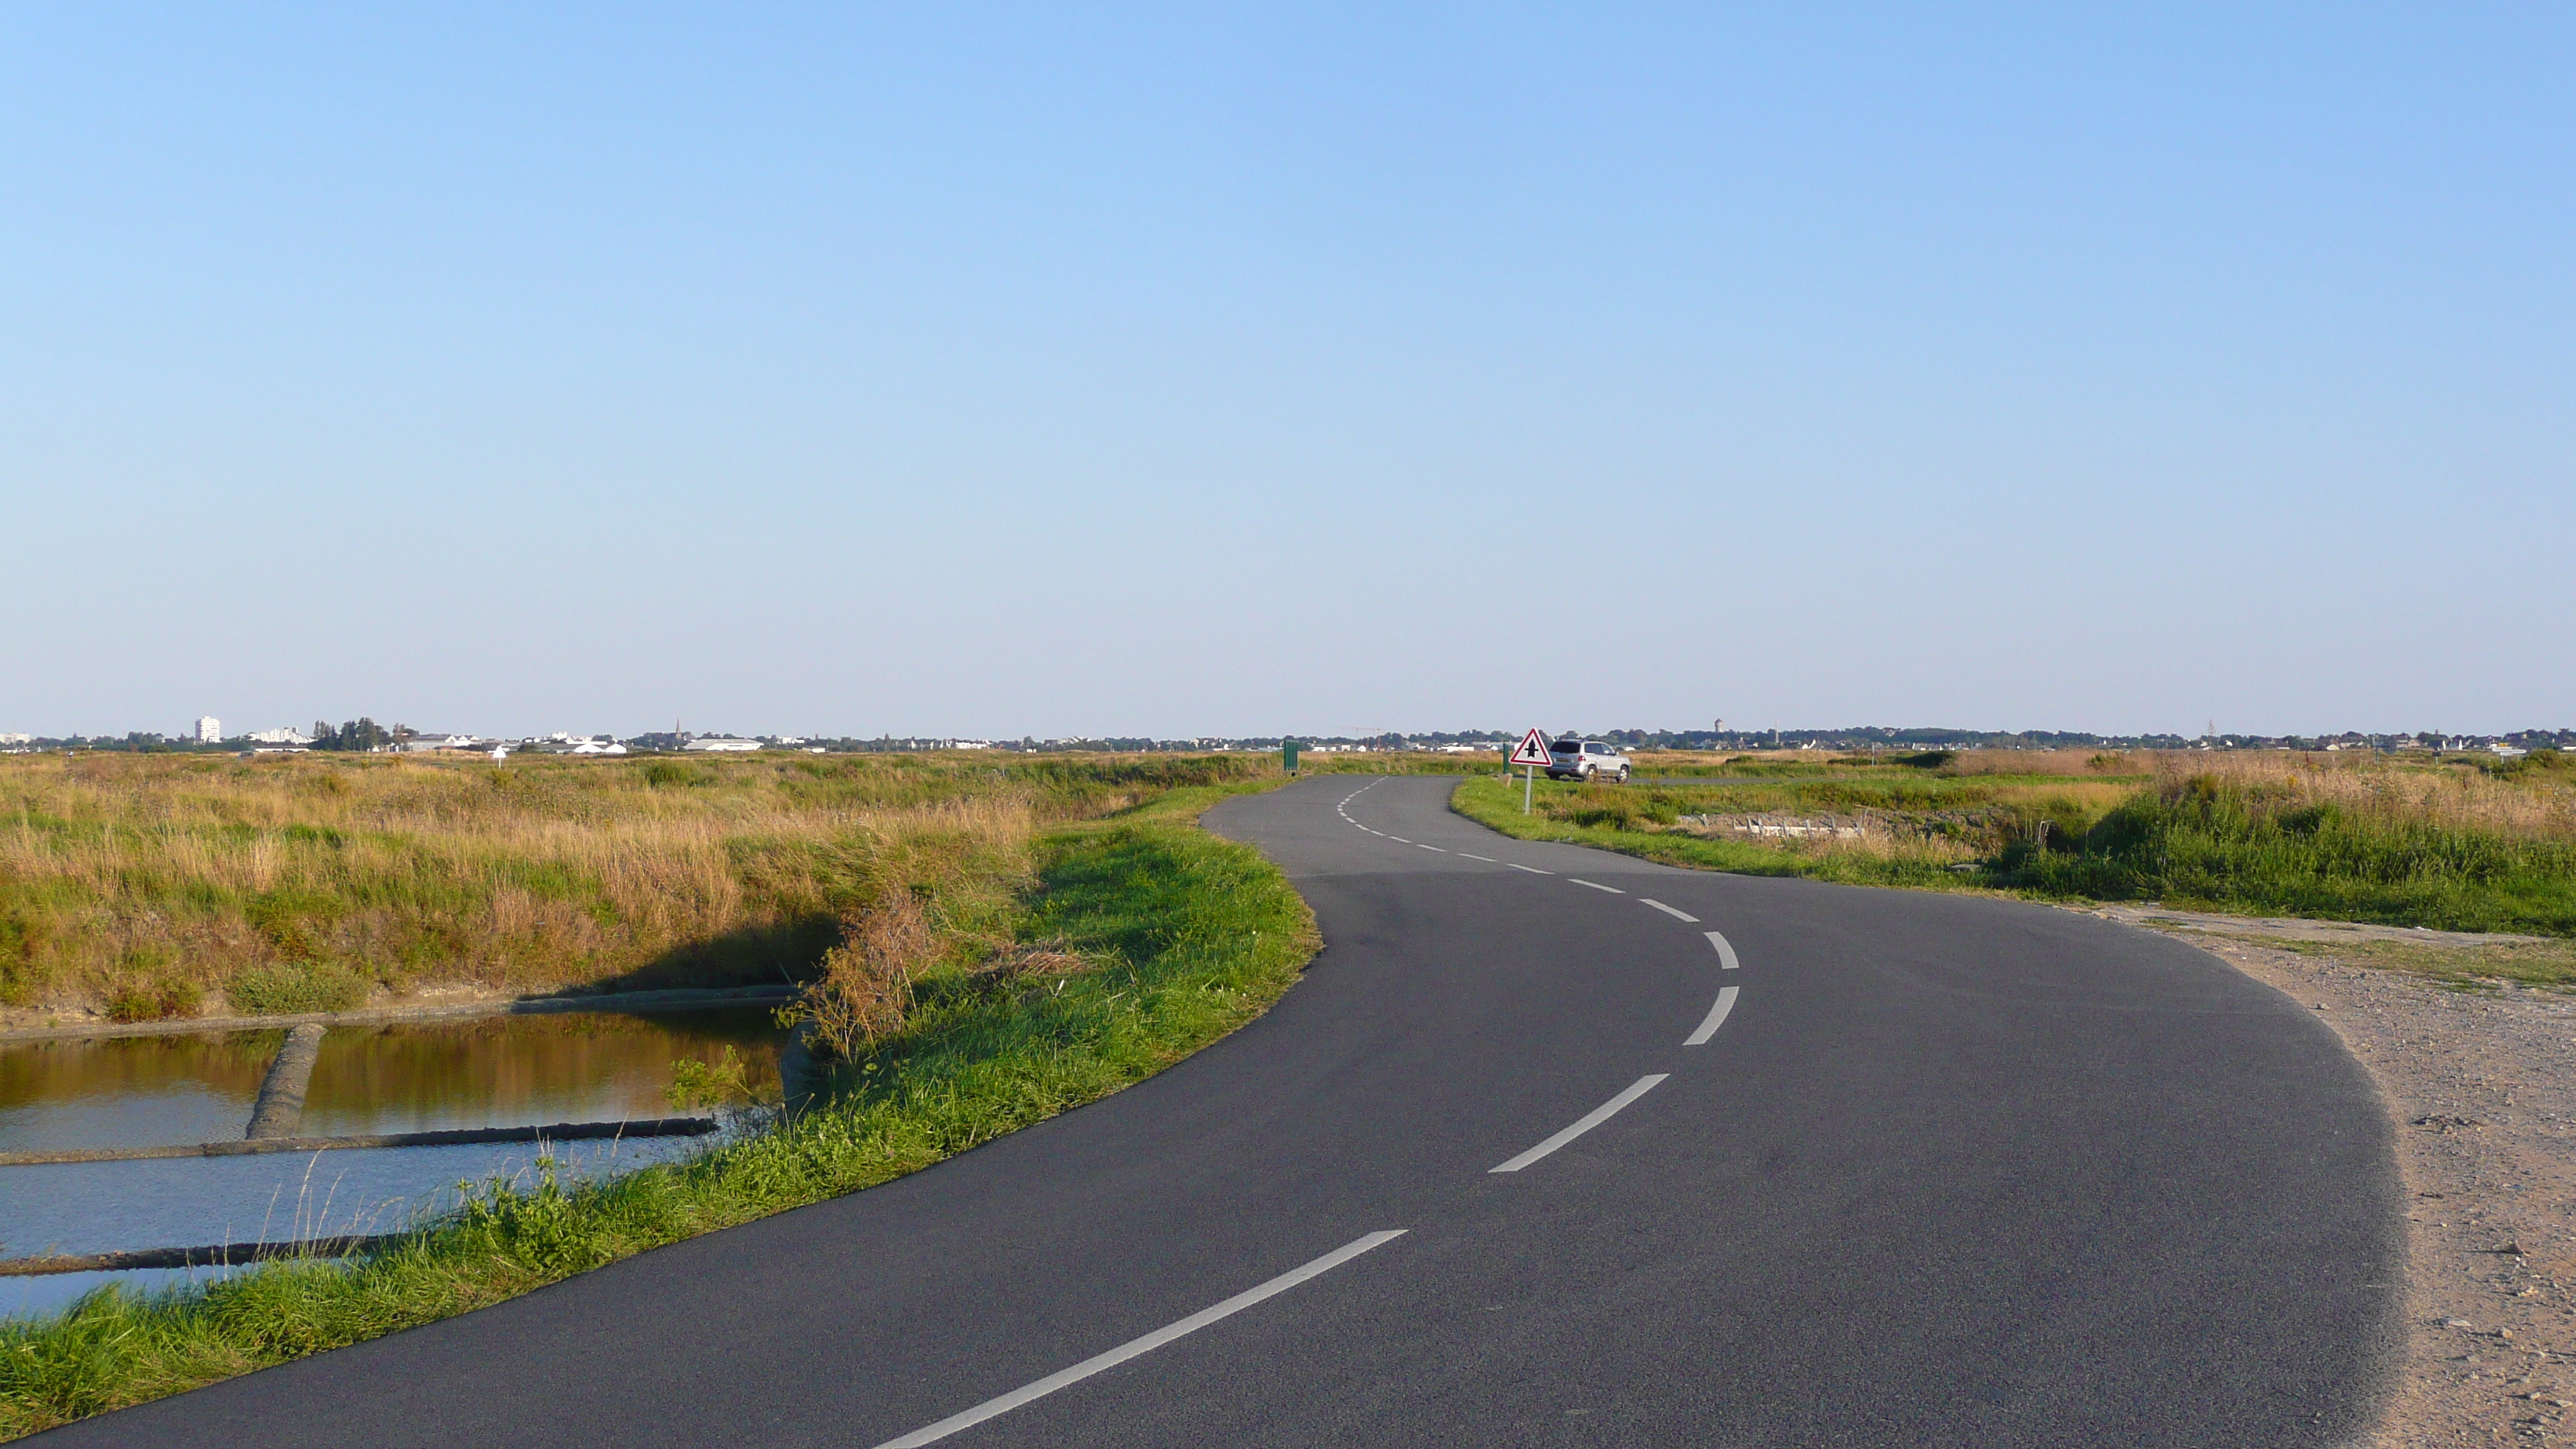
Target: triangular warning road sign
[(1533, 749)]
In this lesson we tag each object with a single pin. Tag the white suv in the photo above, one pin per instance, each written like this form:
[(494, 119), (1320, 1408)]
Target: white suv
[(1573, 759)]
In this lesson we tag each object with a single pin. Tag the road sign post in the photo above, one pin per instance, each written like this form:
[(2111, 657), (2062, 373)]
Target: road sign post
[(1531, 754), (1288, 755)]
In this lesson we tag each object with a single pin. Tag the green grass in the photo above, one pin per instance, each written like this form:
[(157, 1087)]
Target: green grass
[(2203, 844), (1581, 815), (2211, 847), (1191, 936)]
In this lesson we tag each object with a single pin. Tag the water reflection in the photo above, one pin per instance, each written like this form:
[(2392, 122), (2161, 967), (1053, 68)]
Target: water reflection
[(403, 1077), (506, 1071)]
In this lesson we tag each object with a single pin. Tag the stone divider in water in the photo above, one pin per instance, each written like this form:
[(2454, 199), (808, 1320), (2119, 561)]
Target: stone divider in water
[(452, 1137)]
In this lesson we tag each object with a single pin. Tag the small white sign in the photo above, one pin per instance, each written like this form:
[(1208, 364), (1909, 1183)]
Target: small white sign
[(1533, 749)]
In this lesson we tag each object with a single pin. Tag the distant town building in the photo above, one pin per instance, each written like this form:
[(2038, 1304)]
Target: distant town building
[(288, 736), (209, 731), (718, 743), (17, 739)]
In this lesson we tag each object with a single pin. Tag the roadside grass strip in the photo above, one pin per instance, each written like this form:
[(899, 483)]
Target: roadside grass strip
[(2453, 854), (1188, 937)]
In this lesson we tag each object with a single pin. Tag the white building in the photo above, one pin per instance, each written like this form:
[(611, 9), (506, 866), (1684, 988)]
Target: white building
[(17, 739), (209, 731), (597, 747), (716, 743), (288, 736)]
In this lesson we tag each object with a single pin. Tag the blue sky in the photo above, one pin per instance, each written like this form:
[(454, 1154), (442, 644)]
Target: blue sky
[(979, 370)]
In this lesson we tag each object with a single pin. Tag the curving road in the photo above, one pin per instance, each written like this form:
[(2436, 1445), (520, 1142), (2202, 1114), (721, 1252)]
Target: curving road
[(1861, 1168)]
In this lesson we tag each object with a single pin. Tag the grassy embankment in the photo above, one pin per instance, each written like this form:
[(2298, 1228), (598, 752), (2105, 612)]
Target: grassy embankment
[(162, 887), (2453, 846), (997, 973)]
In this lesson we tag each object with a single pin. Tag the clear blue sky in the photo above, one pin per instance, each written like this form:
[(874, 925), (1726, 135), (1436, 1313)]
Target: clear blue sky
[(1002, 371)]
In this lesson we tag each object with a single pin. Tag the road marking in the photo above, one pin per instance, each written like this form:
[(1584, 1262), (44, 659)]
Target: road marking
[(1725, 952), (1534, 870), (1614, 890), (1590, 1120), (1133, 1347), (1667, 910), (1487, 859), (1418, 846), (1716, 1018), (1400, 840)]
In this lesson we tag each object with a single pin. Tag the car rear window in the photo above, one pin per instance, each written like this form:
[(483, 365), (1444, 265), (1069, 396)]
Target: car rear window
[(1567, 747)]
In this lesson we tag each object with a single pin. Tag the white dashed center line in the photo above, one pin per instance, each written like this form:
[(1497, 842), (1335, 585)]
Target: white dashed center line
[(1534, 870), (1419, 846), (992, 1408), (1487, 859), (1614, 890), (1716, 1018), (1586, 1123), (1725, 952), (1667, 910)]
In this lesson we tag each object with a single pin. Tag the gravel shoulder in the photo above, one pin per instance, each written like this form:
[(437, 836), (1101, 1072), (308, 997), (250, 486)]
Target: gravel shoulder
[(2483, 1085)]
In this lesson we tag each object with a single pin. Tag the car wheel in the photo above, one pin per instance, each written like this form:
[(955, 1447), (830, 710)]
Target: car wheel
[(1623, 774)]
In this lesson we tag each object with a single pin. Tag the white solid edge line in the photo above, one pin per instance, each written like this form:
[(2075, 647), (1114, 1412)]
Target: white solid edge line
[(1487, 859), (1589, 1120), (1716, 1018), (1725, 952), (1614, 890), (1534, 870), (1131, 1348), (1667, 910)]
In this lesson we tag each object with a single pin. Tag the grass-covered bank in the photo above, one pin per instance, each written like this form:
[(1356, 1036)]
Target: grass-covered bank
[(164, 887), (2452, 846), (1160, 938)]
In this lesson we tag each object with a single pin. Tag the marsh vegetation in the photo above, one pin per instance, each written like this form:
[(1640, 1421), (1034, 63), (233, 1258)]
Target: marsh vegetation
[(1004, 946), (166, 887), (2459, 844)]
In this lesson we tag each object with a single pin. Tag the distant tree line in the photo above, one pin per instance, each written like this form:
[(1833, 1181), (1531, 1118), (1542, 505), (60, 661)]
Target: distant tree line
[(361, 733)]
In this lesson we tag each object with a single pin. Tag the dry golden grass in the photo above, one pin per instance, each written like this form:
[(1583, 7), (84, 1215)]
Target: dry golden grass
[(141, 879), (2378, 788)]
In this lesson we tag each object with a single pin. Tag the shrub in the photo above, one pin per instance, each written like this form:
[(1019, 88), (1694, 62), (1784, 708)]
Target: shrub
[(865, 995), (162, 999), (294, 988)]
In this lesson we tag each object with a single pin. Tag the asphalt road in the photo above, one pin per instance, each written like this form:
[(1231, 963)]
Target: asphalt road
[(1949, 1171)]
